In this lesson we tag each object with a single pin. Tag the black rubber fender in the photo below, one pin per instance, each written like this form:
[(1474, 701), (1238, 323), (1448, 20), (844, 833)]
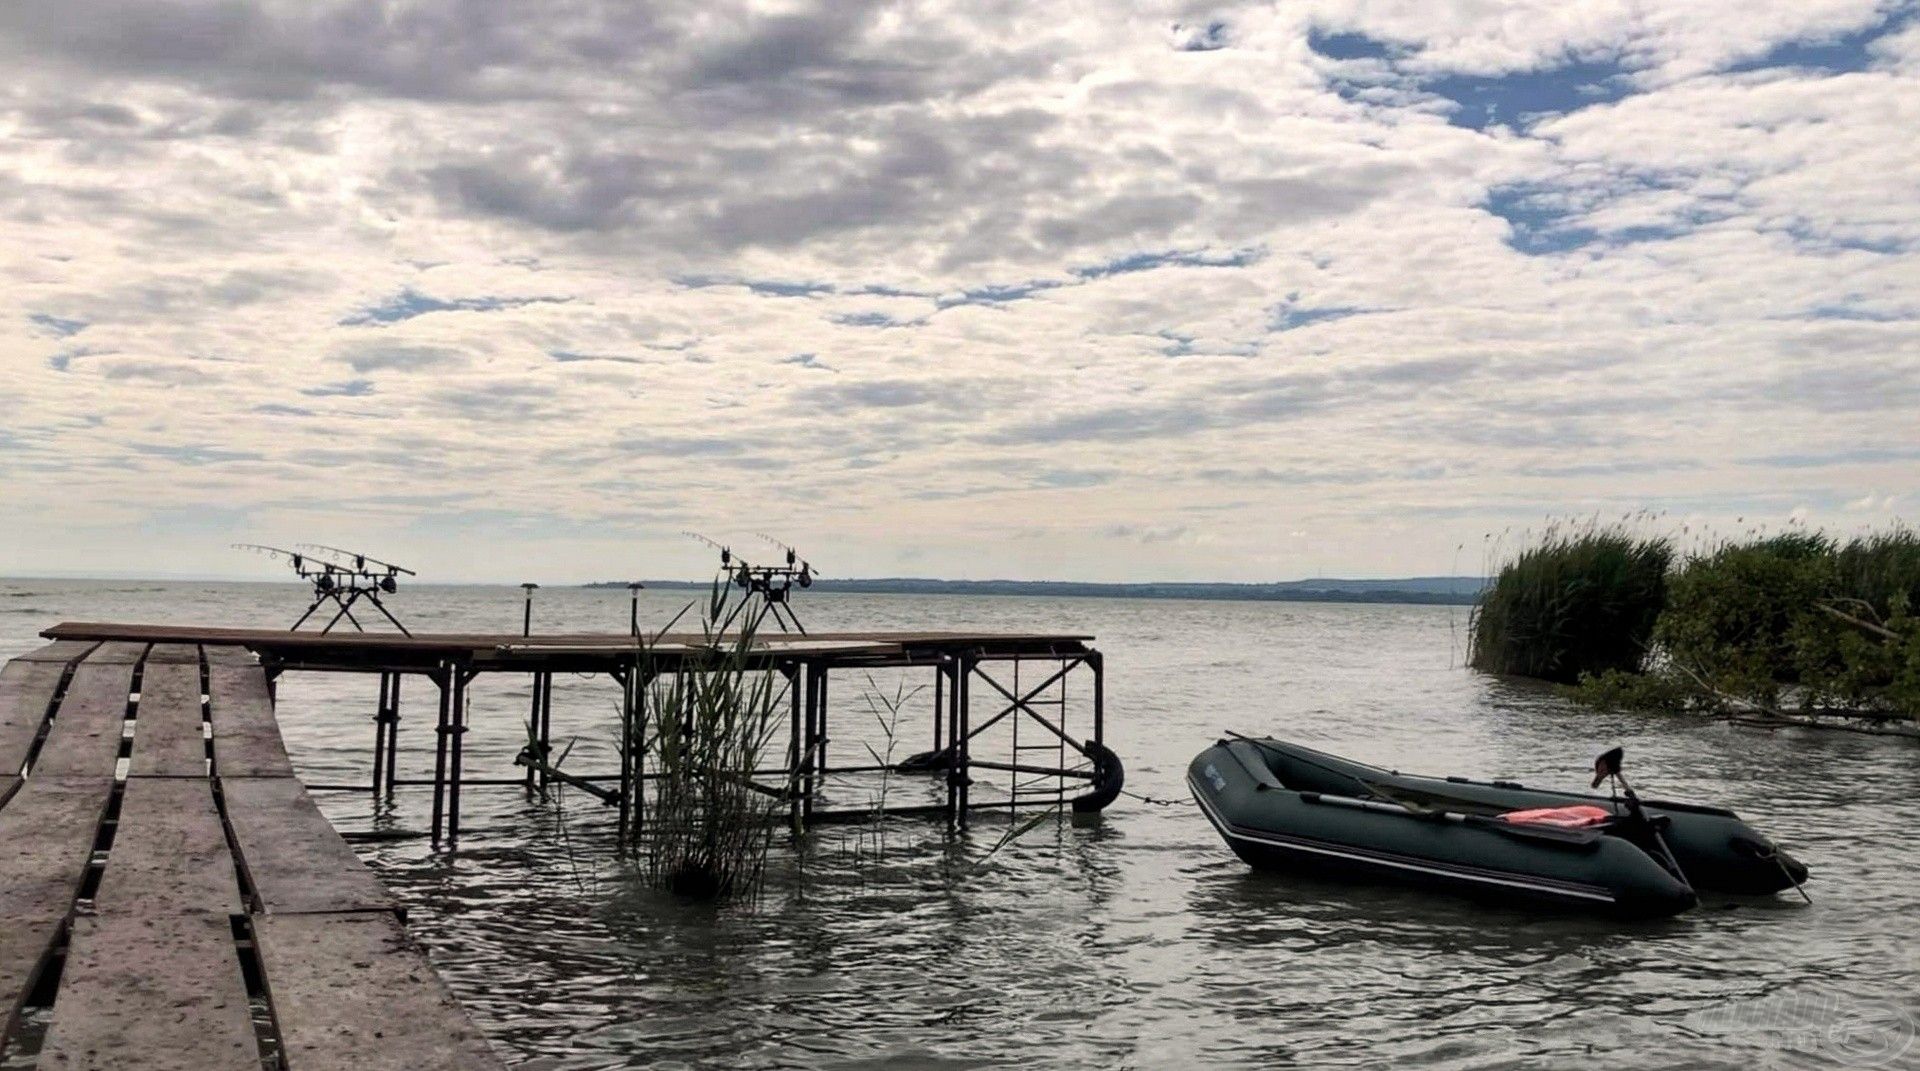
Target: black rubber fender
[(926, 762), (1109, 777)]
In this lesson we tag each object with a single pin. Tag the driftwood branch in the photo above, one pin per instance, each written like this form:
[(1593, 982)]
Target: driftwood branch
[(1861, 623), (1740, 711), (1889, 727)]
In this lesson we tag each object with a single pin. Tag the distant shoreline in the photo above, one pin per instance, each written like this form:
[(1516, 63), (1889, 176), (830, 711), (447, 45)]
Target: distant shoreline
[(1425, 590)]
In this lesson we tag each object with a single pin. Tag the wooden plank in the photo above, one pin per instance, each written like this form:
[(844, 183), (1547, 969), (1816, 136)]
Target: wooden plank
[(355, 991), (119, 651), (60, 651), (26, 691), (246, 739), (169, 854), (293, 858), (169, 736), (84, 740), (226, 655), (161, 993), (46, 838), (175, 653)]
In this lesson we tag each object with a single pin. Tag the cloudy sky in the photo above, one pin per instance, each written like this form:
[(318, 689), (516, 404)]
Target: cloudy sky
[(1202, 291)]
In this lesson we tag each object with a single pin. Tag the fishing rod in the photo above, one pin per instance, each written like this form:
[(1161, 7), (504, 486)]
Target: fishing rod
[(772, 585), (342, 577)]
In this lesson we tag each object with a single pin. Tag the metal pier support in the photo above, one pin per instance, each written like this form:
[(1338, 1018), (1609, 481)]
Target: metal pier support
[(540, 723), (386, 730), (442, 681), (452, 679), (796, 681), (461, 677)]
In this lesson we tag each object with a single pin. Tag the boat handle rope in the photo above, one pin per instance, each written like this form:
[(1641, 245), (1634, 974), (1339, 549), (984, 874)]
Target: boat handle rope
[(1773, 853)]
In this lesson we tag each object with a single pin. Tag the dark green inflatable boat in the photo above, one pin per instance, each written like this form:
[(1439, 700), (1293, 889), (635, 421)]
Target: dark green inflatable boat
[(1284, 807)]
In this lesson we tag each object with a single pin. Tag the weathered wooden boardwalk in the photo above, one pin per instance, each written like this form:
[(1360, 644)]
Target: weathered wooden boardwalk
[(169, 895)]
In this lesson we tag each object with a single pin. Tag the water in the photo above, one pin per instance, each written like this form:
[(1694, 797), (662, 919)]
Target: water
[(1142, 942)]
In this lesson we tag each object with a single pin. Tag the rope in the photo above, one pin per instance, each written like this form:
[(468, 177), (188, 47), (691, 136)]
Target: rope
[(1156, 802)]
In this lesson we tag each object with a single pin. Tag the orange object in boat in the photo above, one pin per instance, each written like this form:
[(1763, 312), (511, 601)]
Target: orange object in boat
[(1574, 817)]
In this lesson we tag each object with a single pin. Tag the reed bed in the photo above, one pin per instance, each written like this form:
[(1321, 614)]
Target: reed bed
[(1581, 600), (1791, 624)]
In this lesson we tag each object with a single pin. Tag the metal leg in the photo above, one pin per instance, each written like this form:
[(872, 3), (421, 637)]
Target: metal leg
[(458, 725), (820, 722), (642, 682), (795, 682), (533, 730), (442, 677), (962, 739), (381, 720), (807, 743), (626, 679), (393, 733), (303, 617), (939, 704), (953, 733), (1099, 664), (546, 722), (382, 607)]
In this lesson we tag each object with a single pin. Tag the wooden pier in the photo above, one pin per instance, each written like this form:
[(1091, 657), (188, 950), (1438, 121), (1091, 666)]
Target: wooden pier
[(977, 685), (170, 897)]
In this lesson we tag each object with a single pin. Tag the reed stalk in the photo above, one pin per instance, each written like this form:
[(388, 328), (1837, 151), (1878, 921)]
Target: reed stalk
[(714, 713)]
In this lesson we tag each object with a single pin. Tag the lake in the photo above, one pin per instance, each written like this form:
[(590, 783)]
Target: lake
[(1137, 942)]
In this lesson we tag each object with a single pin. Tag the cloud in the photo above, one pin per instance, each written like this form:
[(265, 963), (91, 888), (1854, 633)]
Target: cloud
[(409, 303), (57, 326), (997, 290), (374, 357)]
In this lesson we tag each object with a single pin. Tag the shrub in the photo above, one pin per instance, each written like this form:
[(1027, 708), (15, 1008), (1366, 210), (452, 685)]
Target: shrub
[(1578, 602), (1740, 618), (1790, 620)]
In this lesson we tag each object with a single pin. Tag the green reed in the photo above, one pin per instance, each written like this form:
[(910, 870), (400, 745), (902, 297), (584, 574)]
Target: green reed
[(1583, 599), (715, 709)]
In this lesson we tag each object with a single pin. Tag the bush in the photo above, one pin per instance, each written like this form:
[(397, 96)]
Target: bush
[(1581, 602), (1787, 621), (1741, 618)]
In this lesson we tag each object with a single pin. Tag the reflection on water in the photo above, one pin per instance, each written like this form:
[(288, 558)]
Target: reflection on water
[(1138, 943)]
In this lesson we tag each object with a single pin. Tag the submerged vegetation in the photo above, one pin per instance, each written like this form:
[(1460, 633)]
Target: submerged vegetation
[(1788, 627), (1581, 601)]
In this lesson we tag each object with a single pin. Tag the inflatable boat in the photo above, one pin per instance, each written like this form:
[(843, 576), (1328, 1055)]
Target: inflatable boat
[(1284, 807)]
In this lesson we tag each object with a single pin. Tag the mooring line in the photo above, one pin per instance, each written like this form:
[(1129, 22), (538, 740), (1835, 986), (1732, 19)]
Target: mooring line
[(1156, 802)]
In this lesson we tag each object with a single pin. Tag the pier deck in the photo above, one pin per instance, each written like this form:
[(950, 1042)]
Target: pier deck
[(1062, 762), (170, 897)]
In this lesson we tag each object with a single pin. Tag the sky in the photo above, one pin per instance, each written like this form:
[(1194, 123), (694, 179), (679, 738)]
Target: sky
[(1173, 291)]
